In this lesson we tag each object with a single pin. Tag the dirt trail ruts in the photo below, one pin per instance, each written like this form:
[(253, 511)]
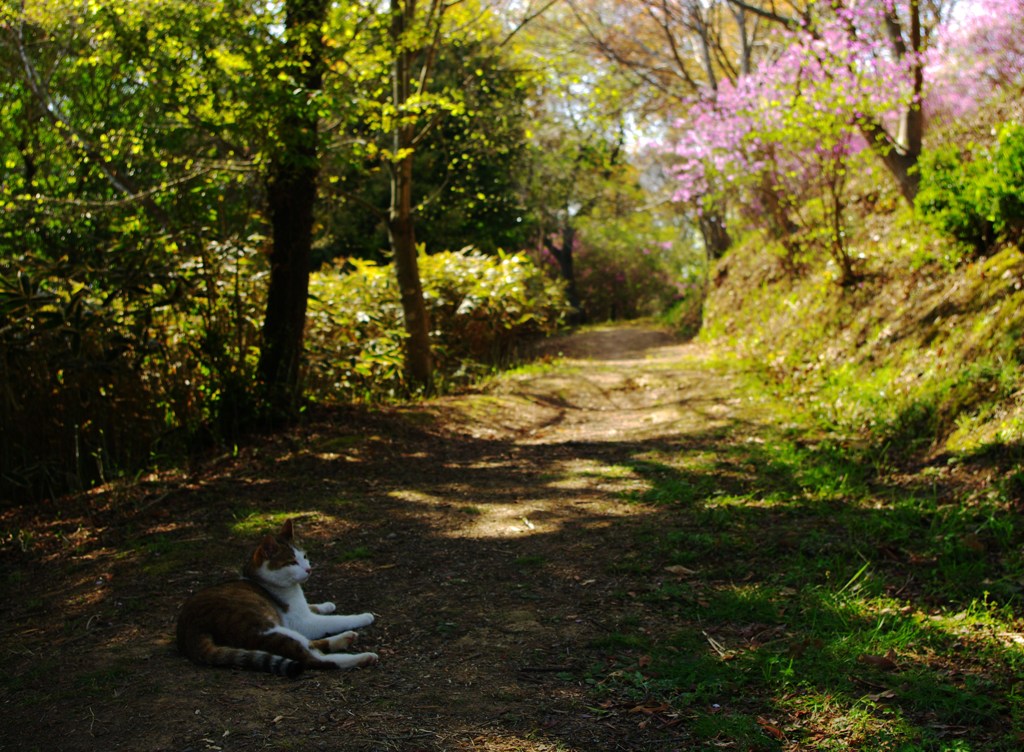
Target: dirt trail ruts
[(486, 530)]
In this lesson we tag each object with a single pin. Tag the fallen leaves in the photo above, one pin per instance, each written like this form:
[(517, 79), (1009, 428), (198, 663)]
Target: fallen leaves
[(680, 571), (771, 729), (885, 662), (649, 711), (724, 653), (650, 708), (888, 694)]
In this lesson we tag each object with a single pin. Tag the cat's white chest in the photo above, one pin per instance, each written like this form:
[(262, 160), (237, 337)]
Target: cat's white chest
[(296, 613)]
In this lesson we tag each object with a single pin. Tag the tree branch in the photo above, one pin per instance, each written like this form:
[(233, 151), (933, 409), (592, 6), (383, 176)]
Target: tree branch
[(771, 15), (527, 19)]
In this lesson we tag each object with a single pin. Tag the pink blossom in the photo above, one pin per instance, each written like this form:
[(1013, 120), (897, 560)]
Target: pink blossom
[(778, 124), (978, 51)]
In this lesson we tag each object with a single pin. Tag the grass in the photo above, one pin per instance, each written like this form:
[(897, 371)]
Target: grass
[(858, 579), (359, 553), (916, 356), (822, 605), (250, 525)]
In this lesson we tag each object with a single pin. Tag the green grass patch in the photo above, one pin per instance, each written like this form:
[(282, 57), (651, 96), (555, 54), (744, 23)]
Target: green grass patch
[(359, 553), (255, 524), (817, 598)]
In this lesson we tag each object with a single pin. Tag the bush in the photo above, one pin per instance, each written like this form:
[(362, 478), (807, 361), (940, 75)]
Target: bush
[(100, 382), (617, 282), (73, 404), (1005, 184), (97, 378), (481, 309), (976, 195)]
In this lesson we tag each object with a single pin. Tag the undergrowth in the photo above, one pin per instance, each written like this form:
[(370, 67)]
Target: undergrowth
[(818, 604), (99, 391), (916, 359), (482, 309)]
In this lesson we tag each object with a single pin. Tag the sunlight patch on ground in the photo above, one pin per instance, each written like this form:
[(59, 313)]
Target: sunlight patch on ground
[(511, 521), (593, 468), (482, 465), (264, 523), (1011, 639), (510, 743), (334, 456), (416, 497), (507, 521), (590, 475)]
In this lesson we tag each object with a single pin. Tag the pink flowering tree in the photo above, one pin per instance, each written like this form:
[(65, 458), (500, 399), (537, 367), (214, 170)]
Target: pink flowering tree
[(880, 47), (783, 141), (843, 89)]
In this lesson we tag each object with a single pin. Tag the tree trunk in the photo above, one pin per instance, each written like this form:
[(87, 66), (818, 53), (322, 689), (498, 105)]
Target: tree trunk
[(402, 233), (291, 193), (899, 159), (900, 154), (566, 265), (715, 233), (401, 228)]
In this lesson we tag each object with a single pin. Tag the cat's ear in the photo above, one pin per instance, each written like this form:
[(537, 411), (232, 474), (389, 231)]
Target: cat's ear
[(264, 551), (286, 531)]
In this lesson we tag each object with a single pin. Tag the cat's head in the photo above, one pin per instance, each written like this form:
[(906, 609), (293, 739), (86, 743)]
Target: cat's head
[(278, 560)]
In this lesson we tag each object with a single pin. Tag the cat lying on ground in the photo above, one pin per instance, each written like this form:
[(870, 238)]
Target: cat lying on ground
[(263, 623)]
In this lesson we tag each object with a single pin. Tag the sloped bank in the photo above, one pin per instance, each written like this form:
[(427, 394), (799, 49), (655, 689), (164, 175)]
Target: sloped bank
[(922, 355)]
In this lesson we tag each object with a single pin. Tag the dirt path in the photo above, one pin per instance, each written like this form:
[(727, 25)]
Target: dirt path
[(492, 533)]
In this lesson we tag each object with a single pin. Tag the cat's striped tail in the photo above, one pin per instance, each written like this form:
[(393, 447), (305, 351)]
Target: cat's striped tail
[(207, 651)]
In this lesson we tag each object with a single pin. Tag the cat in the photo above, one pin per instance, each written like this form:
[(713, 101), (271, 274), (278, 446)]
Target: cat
[(262, 622)]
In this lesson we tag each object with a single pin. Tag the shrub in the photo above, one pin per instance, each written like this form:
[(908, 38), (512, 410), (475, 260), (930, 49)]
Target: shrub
[(99, 383), (617, 281), (484, 307), (629, 266), (481, 309), (66, 368), (99, 377), (976, 195), (1005, 184)]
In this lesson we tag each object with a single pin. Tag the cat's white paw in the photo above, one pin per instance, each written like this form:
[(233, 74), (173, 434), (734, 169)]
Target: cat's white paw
[(362, 620), (343, 641), (326, 608), (350, 660), (367, 659)]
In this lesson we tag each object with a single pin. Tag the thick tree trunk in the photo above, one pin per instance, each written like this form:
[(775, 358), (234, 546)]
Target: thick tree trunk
[(900, 159), (902, 166), (291, 193), (715, 233)]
